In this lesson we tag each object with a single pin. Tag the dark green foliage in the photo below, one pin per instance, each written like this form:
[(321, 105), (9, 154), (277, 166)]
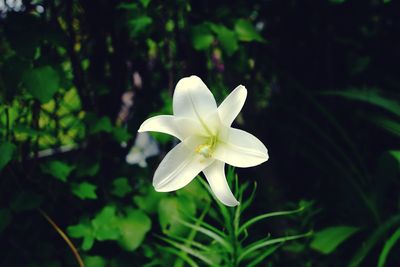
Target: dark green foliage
[(77, 78)]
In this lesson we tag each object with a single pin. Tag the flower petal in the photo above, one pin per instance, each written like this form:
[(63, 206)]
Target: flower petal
[(178, 168), (215, 174), (241, 149), (163, 124), (232, 105), (192, 99)]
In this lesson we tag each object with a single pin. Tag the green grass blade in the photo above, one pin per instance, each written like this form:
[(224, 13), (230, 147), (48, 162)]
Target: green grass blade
[(388, 247), (178, 253), (262, 256), (258, 218), (259, 245)]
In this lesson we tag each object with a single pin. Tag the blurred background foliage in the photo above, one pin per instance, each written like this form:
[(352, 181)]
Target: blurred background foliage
[(77, 77)]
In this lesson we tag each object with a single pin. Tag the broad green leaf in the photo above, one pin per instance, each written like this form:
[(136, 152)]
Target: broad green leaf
[(389, 244), (145, 3), (328, 239), (226, 37), (149, 201), (370, 96), (121, 187), (58, 169), (6, 153), (171, 210), (42, 83), (133, 229), (86, 168), (94, 261), (101, 125), (5, 219), (139, 25), (121, 134), (83, 230), (105, 224), (26, 200), (85, 190), (246, 32), (202, 38)]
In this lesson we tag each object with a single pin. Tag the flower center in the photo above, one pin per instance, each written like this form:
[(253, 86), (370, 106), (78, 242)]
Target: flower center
[(206, 150)]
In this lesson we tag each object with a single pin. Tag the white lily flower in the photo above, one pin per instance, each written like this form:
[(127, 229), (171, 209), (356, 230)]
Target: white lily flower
[(207, 139)]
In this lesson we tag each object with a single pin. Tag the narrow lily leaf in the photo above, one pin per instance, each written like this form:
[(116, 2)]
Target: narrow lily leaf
[(190, 251), (256, 246), (258, 218), (327, 240), (370, 96), (392, 126), (262, 256), (178, 253), (210, 234), (372, 240), (389, 244)]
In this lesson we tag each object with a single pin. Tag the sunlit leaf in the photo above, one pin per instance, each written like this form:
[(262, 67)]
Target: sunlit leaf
[(58, 169), (121, 187), (133, 229), (105, 224), (85, 190), (173, 209), (328, 239), (6, 153), (83, 230), (42, 83), (95, 261)]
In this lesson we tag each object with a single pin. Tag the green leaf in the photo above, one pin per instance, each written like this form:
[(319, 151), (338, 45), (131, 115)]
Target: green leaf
[(373, 239), (85, 190), (149, 201), (139, 25), (101, 125), (246, 32), (202, 38), (145, 3), (105, 224), (5, 219), (83, 230), (121, 134), (370, 96), (95, 261), (12, 79), (389, 244), (171, 211), (226, 37), (42, 83), (57, 169), (326, 240), (6, 153), (133, 229), (121, 187), (389, 125)]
